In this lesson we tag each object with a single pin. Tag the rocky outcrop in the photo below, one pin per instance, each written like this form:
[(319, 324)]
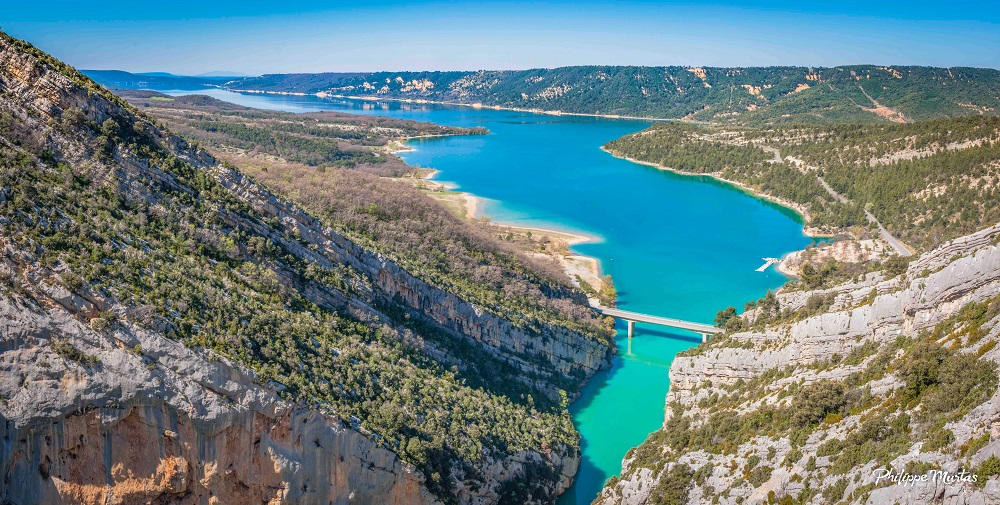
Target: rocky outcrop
[(762, 370), (98, 412), (141, 418), (964, 270)]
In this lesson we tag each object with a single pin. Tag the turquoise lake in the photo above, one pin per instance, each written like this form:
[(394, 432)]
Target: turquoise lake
[(676, 246)]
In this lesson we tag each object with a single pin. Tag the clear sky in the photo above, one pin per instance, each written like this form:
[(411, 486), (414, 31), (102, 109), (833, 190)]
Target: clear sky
[(256, 36)]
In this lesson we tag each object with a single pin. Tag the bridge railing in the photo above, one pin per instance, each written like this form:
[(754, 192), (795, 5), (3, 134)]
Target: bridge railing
[(633, 317)]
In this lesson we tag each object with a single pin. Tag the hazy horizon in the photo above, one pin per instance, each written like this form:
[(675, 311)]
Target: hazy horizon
[(255, 37), (221, 74)]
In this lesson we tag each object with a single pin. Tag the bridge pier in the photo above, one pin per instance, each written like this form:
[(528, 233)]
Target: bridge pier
[(704, 337), (631, 328)]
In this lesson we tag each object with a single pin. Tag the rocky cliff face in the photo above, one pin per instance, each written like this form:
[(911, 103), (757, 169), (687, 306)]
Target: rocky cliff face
[(560, 355), (100, 403), (810, 408), (195, 428)]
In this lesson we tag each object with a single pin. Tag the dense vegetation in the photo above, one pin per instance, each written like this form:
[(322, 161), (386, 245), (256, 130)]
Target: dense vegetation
[(387, 216), (756, 95), (185, 271), (926, 182), (321, 139), (700, 150), (98, 200)]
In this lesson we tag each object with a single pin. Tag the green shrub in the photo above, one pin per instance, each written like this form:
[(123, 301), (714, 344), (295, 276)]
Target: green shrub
[(989, 468), (937, 439), (814, 402), (68, 351), (759, 475), (835, 492), (673, 486), (792, 457), (973, 445)]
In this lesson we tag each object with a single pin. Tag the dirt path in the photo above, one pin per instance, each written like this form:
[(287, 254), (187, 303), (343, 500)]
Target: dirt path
[(881, 110)]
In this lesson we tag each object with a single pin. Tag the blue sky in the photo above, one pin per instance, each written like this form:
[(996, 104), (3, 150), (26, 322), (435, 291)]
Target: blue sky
[(254, 36)]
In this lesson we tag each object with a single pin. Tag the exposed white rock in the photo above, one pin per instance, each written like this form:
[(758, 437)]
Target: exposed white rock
[(936, 286), (136, 417)]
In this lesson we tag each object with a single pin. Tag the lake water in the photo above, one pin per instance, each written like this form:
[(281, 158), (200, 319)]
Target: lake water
[(676, 246)]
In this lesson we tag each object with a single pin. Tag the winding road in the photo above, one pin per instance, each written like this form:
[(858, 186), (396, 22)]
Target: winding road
[(900, 248), (896, 244)]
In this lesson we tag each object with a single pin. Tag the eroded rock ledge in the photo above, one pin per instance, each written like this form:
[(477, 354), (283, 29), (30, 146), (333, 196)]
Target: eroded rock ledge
[(758, 373), (156, 420)]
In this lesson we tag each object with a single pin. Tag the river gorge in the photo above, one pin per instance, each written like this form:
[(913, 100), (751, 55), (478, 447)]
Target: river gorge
[(677, 246)]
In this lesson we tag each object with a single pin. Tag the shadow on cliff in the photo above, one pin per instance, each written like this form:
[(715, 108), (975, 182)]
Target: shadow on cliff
[(587, 485), (588, 480)]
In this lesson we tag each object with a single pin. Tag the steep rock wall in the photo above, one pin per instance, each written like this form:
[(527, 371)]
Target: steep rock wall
[(154, 421), (126, 415), (563, 351), (873, 311)]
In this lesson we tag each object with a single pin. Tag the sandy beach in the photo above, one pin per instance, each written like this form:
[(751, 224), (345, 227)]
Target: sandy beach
[(557, 246), (538, 242)]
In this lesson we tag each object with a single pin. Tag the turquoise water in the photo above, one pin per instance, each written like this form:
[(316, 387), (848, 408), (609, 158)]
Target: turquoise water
[(676, 246)]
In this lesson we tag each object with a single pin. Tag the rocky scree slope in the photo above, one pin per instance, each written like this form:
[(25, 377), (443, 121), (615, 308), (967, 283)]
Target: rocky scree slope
[(829, 386), (170, 331)]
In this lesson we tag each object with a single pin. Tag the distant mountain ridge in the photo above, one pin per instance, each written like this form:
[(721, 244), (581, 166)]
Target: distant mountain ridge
[(119, 79), (753, 95), (756, 95)]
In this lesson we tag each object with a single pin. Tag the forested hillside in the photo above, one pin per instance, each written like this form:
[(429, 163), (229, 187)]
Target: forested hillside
[(291, 154), (172, 291), (320, 139), (754, 95), (927, 182)]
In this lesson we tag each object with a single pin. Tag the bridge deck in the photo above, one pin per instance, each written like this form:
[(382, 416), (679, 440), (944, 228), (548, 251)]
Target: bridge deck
[(662, 321)]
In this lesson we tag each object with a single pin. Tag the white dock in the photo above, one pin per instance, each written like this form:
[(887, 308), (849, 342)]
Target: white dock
[(767, 263)]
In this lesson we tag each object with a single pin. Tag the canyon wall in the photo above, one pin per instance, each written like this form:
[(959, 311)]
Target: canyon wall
[(119, 413), (864, 339)]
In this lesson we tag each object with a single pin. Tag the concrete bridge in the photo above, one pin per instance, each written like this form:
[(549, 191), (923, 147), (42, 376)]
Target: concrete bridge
[(633, 317)]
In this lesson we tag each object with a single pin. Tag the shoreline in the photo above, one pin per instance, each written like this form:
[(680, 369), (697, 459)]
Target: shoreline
[(473, 203), (399, 144), (807, 230), (321, 94), (782, 266), (802, 212), (572, 263)]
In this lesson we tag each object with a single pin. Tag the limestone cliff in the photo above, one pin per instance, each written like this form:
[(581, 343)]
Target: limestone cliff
[(564, 353), (833, 385), (195, 428), (281, 362)]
